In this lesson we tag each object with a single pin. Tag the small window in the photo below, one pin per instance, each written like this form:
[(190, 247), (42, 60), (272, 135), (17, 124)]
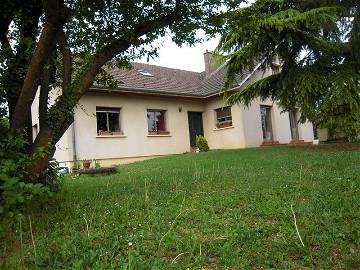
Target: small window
[(223, 117), (156, 122), (275, 68), (108, 121), (145, 73)]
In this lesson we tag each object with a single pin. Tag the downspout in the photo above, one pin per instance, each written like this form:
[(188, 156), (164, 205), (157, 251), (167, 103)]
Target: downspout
[(74, 142)]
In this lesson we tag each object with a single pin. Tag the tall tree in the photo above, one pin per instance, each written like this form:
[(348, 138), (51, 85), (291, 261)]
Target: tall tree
[(66, 44), (318, 43)]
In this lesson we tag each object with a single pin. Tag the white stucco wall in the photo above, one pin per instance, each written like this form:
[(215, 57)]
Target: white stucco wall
[(323, 134), (64, 148), (35, 113), (280, 124), (63, 152), (136, 141), (231, 137), (251, 118), (306, 132)]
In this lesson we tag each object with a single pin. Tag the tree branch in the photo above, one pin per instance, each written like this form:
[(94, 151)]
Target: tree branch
[(355, 36), (53, 21), (67, 59), (121, 45), (5, 46), (8, 12), (45, 89)]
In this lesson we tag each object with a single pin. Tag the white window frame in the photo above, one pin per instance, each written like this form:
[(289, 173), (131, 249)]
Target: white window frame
[(228, 118), (107, 110), (158, 132)]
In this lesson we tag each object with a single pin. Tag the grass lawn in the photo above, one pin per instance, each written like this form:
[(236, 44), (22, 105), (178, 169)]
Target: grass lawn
[(217, 210)]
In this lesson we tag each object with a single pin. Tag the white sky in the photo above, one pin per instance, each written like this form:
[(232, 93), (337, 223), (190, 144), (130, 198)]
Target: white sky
[(186, 57)]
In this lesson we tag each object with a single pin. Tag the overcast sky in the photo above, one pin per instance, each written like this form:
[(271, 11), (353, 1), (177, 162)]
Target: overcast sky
[(186, 58)]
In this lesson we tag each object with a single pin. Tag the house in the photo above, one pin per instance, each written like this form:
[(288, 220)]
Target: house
[(159, 111)]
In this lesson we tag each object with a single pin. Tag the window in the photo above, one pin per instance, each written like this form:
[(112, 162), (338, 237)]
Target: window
[(108, 121), (266, 125), (145, 73), (223, 117), (156, 122)]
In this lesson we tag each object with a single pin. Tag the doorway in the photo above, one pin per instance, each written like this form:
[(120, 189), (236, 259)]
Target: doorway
[(266, 123), (294, 125), (195, 126)]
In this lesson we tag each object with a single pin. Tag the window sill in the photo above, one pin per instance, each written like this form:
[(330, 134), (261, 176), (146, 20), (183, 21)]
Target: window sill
[(111, 136), (159, 135), (217, 129)]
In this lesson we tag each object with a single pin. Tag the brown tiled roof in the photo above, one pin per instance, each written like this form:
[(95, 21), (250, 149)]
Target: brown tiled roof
[(169, 81)]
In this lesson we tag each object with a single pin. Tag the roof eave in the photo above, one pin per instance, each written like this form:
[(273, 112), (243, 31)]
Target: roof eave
[(150, 92)]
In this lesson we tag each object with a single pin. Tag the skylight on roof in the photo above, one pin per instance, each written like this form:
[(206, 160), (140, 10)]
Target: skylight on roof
[(145, 73)]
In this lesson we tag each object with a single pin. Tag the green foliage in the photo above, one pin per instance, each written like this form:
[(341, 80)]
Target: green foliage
[(76, 165), (202, 143), (16, 191), (219, 210), (15, 194), (317, 43), (97, 164)]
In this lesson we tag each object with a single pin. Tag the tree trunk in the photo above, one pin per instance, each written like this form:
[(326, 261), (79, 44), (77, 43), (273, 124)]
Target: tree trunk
[(54, 20), (44, 142)]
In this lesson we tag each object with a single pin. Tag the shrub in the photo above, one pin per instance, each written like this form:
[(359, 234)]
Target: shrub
[(97, 164), (202, 144), (16, 191)]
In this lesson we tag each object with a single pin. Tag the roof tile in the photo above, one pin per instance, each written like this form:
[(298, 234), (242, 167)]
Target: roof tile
[(170, 81)]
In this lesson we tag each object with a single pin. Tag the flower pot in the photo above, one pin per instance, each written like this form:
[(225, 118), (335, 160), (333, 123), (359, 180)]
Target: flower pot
[(86, 164)]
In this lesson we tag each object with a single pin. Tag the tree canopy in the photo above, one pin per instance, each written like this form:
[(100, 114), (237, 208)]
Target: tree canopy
[(318, 44), (66, 44)]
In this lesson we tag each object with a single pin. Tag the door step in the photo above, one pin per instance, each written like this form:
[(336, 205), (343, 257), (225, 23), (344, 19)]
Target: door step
[(298, 142), (270, 143)]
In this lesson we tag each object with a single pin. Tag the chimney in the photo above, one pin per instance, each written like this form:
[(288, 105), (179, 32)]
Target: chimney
[(210, 65)]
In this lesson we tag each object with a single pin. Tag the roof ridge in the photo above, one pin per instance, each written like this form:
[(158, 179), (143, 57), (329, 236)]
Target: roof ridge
[(223, 65), (178, 69)]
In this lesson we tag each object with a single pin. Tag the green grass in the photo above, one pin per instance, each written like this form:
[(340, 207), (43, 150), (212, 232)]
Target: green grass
[(217, 210)]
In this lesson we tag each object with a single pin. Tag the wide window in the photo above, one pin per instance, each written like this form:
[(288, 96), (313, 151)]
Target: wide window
[(156, 122), (108, 121), (223, 117)]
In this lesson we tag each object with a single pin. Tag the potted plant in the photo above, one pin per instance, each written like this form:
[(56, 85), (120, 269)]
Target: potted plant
[(97, 164), (86, 164)]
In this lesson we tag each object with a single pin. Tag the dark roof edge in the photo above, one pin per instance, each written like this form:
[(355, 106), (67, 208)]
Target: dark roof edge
[(174, 69), (152, 92), (240, 84)]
